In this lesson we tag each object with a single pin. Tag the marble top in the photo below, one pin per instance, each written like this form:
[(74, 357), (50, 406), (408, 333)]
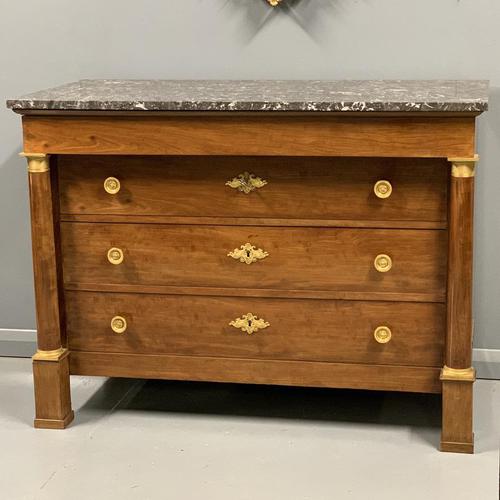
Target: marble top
[(261, 95)]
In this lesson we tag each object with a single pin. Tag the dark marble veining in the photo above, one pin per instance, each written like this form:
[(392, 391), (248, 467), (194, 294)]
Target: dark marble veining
[(261, 95)]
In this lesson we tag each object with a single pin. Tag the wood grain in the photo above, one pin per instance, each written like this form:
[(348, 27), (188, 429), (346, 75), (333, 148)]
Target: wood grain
[(457, 435), (457, 427), (52, 394), (317, 217), (56, 215), (311, 330), (255, 371), (44, 262), (401, 296), (298, 188), (253, 221), (299, 258), (260, 134), (459, 334)]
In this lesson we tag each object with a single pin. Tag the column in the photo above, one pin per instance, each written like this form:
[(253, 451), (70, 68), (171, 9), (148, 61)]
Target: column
[(50, 363), (457, 375)]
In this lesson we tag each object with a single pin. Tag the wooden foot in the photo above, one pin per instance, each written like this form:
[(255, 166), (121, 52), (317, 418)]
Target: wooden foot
[(457, 435), (45, 423), (458, 375), (52, 390)]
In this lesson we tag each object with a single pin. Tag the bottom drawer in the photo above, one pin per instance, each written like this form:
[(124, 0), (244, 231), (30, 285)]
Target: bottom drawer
[(282, 329)]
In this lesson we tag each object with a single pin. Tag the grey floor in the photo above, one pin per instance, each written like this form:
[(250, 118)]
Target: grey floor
[(135, 439)]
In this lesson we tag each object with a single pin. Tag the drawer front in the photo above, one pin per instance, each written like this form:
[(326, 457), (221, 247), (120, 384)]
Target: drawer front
[(316, 330), (255, 257), (300, 188)]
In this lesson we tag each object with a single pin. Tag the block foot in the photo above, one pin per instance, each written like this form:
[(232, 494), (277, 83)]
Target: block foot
[(46, 423), (452, 447), (52, 390)]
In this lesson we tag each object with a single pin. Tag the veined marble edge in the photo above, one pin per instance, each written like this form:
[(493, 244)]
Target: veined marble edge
[(228, 106), (261, 95)]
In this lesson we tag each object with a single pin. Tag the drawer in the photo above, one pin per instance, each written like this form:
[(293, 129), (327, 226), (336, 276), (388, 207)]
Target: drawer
[(292, 329), (291, 188), (290, 258)]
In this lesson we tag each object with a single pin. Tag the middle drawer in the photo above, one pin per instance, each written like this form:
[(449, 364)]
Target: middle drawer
[(299, 258)]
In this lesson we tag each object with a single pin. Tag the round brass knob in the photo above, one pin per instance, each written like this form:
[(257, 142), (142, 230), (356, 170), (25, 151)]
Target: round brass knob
[(382, 334), (115, 256), (382, 189), (119, 324), (112, 185), (382, 263)]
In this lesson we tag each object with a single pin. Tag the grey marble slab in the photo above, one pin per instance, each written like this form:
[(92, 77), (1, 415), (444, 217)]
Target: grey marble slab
[(261, 95)]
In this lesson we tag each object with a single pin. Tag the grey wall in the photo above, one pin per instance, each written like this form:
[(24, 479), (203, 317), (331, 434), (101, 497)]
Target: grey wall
[(45, 43)]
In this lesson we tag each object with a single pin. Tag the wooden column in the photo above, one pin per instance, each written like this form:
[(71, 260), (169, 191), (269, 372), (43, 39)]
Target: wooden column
[(50, 363), (458, 375)]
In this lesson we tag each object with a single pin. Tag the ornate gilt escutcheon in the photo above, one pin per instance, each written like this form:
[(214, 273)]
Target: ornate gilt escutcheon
[(248, 254), (246, 182), (249, 323)]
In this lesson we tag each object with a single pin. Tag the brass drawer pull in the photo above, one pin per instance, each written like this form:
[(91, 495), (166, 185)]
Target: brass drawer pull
[(248, 254), (119, 324), (115, 256), (112, 185), (246, 182), (382, 334), (249, 323), (382, 263), (383, 189)]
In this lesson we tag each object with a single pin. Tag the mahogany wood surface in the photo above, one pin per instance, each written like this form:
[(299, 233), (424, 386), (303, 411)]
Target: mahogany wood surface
[(258, 371), (252, 221), (401, 296), (457, 431), (255, 371), (56, 216), (52, 394), (459, 336), (44, 262), (299, 258), (340, 331), (259, 134), (457, 435), (297, 188), (318, 218)]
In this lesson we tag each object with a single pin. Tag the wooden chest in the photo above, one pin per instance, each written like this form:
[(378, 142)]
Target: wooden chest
[(300, 248)]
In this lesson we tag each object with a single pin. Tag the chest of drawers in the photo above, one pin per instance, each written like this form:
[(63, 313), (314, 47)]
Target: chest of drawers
[(317, 243)]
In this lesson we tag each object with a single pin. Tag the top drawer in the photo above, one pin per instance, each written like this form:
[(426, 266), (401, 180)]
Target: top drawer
[(289, 187)]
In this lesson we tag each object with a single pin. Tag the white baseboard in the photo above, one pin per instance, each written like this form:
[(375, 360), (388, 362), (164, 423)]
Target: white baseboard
[(22, 343), (10, 334), (17, 343), (487, 363)]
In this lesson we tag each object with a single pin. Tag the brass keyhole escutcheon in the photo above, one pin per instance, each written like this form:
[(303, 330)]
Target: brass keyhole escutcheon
[(112, 185), (248, 254), (119, 324), (382, 189), (115, 256), (249, 323), (382, 263), (382, 334), (246, 182)]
